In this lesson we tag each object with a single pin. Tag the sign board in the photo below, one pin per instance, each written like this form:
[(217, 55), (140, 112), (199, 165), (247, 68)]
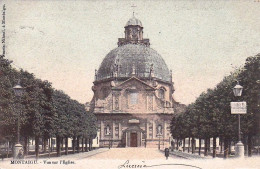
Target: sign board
[(238, 107), (133, 121)]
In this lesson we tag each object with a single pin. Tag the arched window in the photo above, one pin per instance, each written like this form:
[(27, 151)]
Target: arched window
[(159, 129), (107, 130), (162, 93)]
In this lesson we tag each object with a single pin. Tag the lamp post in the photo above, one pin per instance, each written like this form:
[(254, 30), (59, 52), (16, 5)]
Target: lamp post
[(237, 90), (18, 148)]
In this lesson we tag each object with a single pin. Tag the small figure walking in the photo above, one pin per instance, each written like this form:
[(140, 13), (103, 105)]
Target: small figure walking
[(166, 153)]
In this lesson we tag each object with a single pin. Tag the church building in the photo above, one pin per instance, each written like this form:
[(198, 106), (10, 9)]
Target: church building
[(133, 94)]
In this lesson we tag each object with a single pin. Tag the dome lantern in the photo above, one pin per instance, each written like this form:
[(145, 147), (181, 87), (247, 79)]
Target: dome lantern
[(133, 33)]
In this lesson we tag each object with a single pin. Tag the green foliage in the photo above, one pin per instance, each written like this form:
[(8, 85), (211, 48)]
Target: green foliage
[(43, 111), (210, 115)]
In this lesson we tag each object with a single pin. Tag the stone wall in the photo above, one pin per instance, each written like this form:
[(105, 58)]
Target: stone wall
[(119, 123)]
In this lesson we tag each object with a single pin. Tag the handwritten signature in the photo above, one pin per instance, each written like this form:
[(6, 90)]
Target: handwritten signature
[(127, 164)]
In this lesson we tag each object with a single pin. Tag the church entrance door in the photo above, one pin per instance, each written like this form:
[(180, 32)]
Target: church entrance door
[(133, 140)]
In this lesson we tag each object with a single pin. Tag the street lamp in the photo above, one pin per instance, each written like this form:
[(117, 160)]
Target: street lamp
[(237, 90), (18, 91)]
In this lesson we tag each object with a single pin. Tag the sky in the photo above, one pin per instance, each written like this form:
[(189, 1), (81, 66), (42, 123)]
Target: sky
[(65, 41)]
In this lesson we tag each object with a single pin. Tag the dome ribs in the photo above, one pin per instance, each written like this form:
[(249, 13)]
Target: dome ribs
[(138, 55)]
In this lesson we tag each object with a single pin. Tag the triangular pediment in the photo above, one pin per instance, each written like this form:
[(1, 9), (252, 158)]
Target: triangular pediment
[(134, 83)]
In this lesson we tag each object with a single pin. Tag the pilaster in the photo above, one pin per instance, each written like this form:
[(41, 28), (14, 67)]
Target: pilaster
[(147, 129), (101, 129), (114, 130), (154, 130), (119, 131)]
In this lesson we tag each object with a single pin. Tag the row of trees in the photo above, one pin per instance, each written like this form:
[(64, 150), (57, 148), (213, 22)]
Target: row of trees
[(43, 111), (209, 116)]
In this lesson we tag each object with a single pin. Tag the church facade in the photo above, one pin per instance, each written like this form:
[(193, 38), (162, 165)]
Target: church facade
[(133, 94)]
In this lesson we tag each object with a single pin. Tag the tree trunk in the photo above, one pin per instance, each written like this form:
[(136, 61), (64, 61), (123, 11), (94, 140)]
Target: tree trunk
[(193, 145), (221, 146), (37, 147), (12, 147), (225, 148), (205, 147), (25, 145), (7, 155), (249, 141), (58, 141), (183, 145), (78, 144), (229, 147), (49, 148), (66, 146), (51, 145), (89, 144), (214, 146), (199, 145), (209, 150), (177, 147), (82, 143), (62, 145), (189, 145), (28, 145), (45, 142), (73, 144), (86, 144)]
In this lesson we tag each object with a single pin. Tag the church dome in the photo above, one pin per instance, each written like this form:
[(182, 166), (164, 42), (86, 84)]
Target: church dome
[(133, 57), (134, 21)]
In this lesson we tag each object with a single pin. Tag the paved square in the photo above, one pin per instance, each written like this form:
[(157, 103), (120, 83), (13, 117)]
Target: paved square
[(130, 153)]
